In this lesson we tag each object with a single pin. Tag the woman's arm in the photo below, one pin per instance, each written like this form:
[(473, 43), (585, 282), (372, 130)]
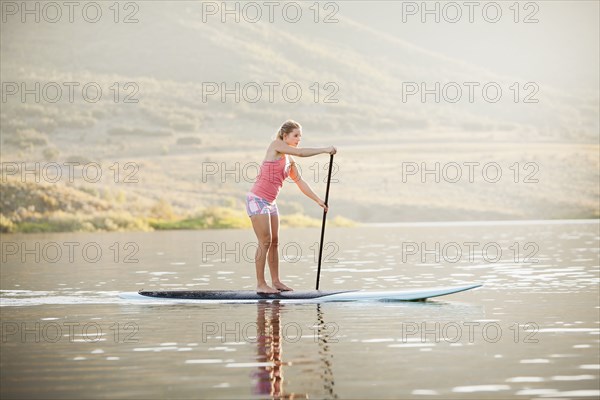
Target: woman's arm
[(282, 147), (307, 190), (304, 187)]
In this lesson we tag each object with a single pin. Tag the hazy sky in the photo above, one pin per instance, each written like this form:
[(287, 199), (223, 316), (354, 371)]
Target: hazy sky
[(561, 49)]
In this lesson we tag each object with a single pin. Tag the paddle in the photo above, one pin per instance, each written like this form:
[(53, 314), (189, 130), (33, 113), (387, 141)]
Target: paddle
[(324, 217)]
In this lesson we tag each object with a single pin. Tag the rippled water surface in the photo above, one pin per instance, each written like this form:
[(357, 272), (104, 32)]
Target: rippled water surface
[(532, 330)]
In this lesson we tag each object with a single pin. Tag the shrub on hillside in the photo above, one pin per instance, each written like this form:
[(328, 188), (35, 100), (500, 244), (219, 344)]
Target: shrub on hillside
[(139, 132), (24, 138), (50, 153), (188, 140)]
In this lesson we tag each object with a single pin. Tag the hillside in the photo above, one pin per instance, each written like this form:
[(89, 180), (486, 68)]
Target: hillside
[(161, 128)]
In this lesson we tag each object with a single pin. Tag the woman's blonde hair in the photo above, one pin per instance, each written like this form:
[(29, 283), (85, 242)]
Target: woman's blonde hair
[(287, 127)]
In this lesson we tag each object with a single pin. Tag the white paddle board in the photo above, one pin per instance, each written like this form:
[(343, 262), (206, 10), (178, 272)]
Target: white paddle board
[(313, 296)]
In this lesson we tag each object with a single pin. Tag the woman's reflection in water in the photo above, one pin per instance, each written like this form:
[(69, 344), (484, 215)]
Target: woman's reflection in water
[(269, 377)]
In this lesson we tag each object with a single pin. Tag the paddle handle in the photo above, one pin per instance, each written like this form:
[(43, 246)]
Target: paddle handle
[(324, 218)]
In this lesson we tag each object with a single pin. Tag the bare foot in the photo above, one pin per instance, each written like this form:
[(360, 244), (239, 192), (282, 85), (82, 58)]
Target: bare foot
[(266, 289), (280, 286)]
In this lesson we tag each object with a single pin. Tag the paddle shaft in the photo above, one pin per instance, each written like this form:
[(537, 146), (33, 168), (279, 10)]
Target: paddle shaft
[(324, 218)]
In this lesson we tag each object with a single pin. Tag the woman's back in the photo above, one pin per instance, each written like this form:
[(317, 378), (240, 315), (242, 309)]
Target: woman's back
[(270, 178)]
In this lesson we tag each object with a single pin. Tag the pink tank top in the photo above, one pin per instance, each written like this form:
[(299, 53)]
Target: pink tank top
[(270, 178)]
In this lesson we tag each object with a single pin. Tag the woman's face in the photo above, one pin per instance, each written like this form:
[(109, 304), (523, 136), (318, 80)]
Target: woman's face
[(293, 138)]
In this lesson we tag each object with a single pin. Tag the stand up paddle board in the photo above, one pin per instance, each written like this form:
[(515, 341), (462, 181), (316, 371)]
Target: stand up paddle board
[(312, 296)]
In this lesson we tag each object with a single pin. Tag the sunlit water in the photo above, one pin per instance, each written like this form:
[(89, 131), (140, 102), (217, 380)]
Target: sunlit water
[(531, 332)]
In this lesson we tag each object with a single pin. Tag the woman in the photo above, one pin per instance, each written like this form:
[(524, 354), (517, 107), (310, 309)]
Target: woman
[(260, 201)]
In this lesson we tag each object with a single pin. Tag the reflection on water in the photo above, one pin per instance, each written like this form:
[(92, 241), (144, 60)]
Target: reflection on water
[(325, 355), (269, 375), (532, 330)]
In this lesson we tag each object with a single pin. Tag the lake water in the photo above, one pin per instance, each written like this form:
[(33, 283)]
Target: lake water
[(532, 330)]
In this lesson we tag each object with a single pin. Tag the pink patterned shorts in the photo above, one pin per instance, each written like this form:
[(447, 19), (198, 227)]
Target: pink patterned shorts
[(257, 205)]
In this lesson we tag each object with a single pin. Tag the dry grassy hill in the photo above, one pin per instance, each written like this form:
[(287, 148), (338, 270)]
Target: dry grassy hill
[(169, 134)]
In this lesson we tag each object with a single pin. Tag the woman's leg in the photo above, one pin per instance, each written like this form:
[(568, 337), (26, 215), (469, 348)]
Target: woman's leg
[(273, 256), (262, 229)]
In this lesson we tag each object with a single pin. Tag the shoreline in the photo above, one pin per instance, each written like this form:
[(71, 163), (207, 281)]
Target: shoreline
[(480, 223)]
